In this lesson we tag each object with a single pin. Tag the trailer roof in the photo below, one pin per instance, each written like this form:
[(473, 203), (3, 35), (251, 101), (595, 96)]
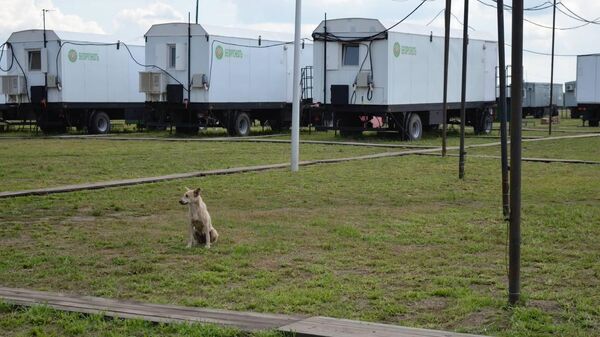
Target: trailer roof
[(364, 27), (181, 29), (37, 35)]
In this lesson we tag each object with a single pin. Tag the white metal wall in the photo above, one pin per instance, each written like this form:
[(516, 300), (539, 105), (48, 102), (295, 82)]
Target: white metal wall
[(88, 74), (102, 74), (588, 79), (243, 73), (415, 76)]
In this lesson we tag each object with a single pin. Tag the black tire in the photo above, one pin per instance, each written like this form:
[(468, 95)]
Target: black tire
[(485, 124), (99, 124), (595, 123), (414, 127), (241, 125)]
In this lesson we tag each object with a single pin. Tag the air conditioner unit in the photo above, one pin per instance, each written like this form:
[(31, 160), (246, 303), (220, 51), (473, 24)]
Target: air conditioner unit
[(51, 81), (153, 83), (13, 85)]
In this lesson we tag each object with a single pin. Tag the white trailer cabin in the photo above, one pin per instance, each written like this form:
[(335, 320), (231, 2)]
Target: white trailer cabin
[(233, 76), (398, 74), (588, 88), (68, 78)]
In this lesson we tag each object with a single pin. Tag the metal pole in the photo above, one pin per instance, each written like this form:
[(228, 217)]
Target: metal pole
[(296, 92), (189, 57), (325, 63), (502, 110), (514, 269), (446, 55), (197, 4), (551, 110), (463, 95)]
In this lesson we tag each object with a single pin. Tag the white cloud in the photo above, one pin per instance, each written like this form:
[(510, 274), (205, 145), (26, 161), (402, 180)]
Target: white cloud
[(27, 14), (146, 16)]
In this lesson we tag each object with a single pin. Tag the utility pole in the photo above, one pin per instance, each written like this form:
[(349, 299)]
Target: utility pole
[(463, 97), (296, 91), (514, 268), (446, 55), (502, 110), (197, 4), (551, 110)]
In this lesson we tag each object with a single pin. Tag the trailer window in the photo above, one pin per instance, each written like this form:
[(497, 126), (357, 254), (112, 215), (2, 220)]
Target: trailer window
[(350, 55), (172, 55), (35, 60)]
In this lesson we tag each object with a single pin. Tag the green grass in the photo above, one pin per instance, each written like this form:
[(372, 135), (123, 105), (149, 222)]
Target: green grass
[(396, 240), (43, 321), (40, 163), (578, 148)]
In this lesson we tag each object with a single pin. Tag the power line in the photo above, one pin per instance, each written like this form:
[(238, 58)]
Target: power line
[(573, 15), (544, 54), (454, 16)]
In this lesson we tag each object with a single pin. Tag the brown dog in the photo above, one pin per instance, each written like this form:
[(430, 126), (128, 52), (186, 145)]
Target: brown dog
[(200, 230)]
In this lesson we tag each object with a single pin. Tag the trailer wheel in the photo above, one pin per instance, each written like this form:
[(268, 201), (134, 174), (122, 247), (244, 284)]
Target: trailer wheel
[(485, 124), (100, 123), (241, 126), (595, 123), (414, 127)]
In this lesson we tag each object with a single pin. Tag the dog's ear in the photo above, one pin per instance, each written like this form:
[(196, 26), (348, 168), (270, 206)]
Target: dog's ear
[(187, 189), (197, 192)]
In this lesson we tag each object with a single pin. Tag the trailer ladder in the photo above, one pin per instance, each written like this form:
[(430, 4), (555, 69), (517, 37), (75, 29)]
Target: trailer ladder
[(306, 83)]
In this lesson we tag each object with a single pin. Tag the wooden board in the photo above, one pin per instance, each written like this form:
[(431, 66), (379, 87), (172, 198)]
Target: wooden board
[(331, 327), (247, 321), (150, 312)]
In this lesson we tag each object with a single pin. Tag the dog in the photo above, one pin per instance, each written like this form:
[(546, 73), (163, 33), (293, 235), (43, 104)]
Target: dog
[(200, 230)]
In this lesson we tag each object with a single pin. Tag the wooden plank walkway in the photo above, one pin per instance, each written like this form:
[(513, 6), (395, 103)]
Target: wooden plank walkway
[(247, 321), (332, 327), (148, 312)]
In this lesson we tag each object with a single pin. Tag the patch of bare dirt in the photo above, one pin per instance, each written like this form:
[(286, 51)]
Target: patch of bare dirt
[(545, 306)]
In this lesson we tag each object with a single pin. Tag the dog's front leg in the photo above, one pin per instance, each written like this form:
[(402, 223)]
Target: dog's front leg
[(207, 227), (190, 236)]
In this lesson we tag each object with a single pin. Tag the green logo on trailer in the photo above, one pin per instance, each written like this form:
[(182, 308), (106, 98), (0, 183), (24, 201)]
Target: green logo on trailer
[(219, 52), (72, 55), (397, 49)]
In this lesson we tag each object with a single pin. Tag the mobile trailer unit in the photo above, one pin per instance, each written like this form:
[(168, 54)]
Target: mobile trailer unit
[(66, 79), (536, 98), (234, 77), (588, 88), (397, 75)]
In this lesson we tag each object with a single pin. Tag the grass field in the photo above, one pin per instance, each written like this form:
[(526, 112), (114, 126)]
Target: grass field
[(40, 163), (582, 149), (396, 240)]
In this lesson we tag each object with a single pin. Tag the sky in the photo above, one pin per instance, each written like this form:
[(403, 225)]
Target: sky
[(128, 20)]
